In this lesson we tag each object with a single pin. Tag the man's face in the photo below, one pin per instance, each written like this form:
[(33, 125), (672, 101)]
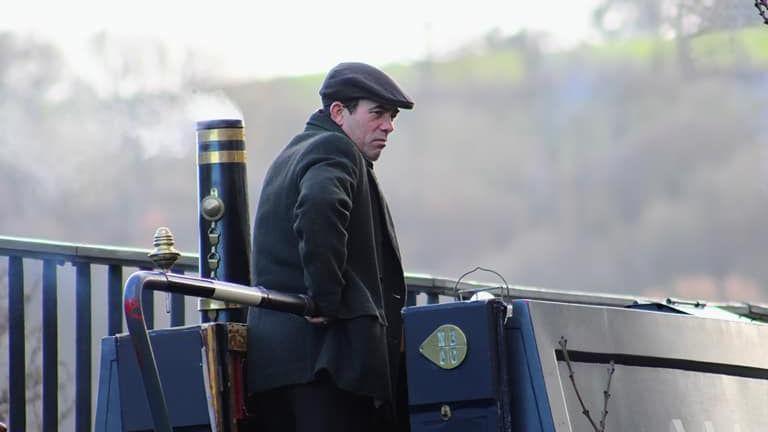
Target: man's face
[(368, 127)]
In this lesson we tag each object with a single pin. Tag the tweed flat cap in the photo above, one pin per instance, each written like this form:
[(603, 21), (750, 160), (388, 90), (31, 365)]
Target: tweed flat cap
[(361, 81)]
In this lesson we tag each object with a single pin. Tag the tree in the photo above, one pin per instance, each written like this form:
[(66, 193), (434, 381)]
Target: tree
[(683, 19)]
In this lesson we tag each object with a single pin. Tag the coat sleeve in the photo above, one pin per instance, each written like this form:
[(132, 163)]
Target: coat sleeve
[(327, 179)]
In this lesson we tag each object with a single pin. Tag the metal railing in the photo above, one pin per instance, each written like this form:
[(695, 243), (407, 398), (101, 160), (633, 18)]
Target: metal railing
[(83, 258), (21, 252)]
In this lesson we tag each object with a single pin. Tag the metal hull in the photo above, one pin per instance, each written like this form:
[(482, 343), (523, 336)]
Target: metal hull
[(671, 372)]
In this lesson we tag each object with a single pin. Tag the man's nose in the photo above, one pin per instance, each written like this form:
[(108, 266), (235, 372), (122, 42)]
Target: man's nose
[(388, 125)]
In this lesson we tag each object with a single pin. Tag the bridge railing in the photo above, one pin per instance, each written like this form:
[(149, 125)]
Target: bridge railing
[(114, 262)]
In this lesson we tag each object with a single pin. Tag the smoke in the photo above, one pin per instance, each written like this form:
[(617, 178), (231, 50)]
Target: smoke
[(212, 105), (72, 153), (168, 126), (72, 125)]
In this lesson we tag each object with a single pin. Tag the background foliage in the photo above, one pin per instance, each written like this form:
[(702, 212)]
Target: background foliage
[(619, 166)]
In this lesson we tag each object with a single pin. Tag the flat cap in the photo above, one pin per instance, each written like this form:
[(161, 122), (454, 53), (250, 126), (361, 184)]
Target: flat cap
[(361, 81)]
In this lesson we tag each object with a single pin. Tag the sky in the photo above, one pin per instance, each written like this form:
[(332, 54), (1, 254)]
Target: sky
[(240, 40)]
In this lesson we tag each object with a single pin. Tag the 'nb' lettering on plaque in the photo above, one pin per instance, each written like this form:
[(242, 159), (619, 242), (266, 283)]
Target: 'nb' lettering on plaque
[(452, 339), (447, 351)]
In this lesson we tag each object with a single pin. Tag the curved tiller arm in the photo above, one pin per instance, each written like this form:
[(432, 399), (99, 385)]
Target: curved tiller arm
[(180, 284)]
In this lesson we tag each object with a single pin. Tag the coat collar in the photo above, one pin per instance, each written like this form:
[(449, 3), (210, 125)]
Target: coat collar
[(320, 120)]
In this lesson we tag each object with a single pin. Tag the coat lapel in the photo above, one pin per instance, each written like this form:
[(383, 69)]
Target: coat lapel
[(388, 224)]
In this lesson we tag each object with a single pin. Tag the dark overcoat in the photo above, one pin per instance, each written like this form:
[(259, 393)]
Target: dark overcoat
[(322, 228)]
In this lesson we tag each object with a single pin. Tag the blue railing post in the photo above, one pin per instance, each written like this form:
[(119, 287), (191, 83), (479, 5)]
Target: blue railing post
[(433, 298), (114, 299), (83, 326), (16, 343), (410, 298), (50, 348)]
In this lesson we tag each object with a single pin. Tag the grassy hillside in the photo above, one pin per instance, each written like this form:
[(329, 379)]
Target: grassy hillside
[(606, 167)]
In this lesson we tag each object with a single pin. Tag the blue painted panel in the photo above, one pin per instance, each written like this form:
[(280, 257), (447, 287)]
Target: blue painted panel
[(177, 351), (475, 416), (473, 379), (523, 400), (108, 406), (476, 391), (534, 404), (499, 387)]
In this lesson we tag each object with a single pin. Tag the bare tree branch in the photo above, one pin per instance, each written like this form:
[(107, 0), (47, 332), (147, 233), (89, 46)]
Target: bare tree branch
[(606, 393)]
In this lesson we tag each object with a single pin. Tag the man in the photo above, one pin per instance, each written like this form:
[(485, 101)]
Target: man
[(323, 229)]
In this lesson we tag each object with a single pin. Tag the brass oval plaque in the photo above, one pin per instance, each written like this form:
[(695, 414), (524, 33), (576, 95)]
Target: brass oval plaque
[(446, 347)]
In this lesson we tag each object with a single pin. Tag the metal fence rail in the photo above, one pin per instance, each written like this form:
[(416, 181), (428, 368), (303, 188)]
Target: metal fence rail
[(85, 257), (82, 258)]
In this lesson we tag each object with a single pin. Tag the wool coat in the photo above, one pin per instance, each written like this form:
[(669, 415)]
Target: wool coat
[(322, 228)]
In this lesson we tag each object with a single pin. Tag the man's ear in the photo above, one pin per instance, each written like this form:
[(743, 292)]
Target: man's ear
[(336, 110)]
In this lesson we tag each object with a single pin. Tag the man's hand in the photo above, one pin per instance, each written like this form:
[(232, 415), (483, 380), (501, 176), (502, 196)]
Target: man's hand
[(319, 321)]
